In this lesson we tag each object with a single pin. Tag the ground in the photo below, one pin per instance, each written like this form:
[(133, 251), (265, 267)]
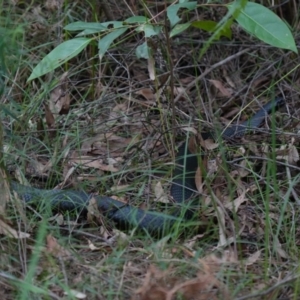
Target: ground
[(103, 126)]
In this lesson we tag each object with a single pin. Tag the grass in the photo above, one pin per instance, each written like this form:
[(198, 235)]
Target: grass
[(107, 144)]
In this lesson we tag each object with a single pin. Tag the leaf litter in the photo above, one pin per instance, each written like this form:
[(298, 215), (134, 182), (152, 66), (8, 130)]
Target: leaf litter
[(126, 133)]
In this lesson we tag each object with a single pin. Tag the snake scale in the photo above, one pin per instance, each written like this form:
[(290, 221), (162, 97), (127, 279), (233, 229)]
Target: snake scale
[(127, 216)]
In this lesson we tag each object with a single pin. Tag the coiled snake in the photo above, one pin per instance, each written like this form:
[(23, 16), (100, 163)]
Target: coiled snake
[(127, 216)]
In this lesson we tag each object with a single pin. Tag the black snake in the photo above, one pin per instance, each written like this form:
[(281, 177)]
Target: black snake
[(127, 216)]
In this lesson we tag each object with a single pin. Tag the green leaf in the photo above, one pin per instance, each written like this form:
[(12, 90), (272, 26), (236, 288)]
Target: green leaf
[(143, 51), (178, 28), (224, 24), (211, 26), (205, 25), (59, 56), (106, 41), (266, 26), (113, 24), (137, 19), (172, 11), (92, 27), (77, 26), (149, 29)]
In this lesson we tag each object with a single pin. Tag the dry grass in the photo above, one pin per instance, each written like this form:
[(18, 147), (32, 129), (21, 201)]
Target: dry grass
[(105, 127)]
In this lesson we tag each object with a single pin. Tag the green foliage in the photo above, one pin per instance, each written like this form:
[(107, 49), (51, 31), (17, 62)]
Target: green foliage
[(265, 25), (172, 11), (211, 26), (254, 18), (59, 56), (224, 24)]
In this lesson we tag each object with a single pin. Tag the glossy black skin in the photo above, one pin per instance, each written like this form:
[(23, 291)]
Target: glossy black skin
[(127, 216)]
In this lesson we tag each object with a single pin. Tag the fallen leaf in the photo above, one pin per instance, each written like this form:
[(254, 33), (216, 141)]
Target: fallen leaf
[(252, 258), (147, 94), (224, 92), (50, 120), (198, 180), (55, 249), (209, 144), (93, 247), (76, 294), (7, 230), (279, 249), (59, 102), (235, 204), (93, 212), (293, 156), (163, 285), (160, 194), (86, 162)]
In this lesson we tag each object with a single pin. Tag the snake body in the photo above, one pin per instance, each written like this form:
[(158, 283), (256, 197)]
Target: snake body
[(127, 216)]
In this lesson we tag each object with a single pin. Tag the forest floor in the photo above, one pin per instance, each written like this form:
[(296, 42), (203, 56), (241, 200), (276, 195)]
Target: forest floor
[(108, 127)]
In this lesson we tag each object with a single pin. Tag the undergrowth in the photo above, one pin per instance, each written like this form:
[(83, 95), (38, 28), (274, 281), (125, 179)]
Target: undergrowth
[(104, 127)]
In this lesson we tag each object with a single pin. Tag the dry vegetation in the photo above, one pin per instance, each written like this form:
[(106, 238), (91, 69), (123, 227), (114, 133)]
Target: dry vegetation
[(105, 127)]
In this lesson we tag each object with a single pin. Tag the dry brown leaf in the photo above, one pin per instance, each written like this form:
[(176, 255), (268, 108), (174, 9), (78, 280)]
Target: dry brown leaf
[(252, 258), (279, 249), (189, 129), (93, 212), (212, 166), (7, 230), (293, 156), (205, 286), (37, 167), (117, 115), (198, 180), (76, 294), (120, 108), (139, 75), (209, 144), (178, 90), (94, 145), (59, 219), (213, 264), (99, 144), (67, 172), (186, 80), (160, 194), (242, 170), (239, 152), (235, 204), (288, 153), (59, 102), (257, 82), (53, 5), (86, 162), (55, 249), (147, 94), (162, 285), (92, 246), (50, 120), (229, 80), (223, 92), (144, 103), (191, 243)]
